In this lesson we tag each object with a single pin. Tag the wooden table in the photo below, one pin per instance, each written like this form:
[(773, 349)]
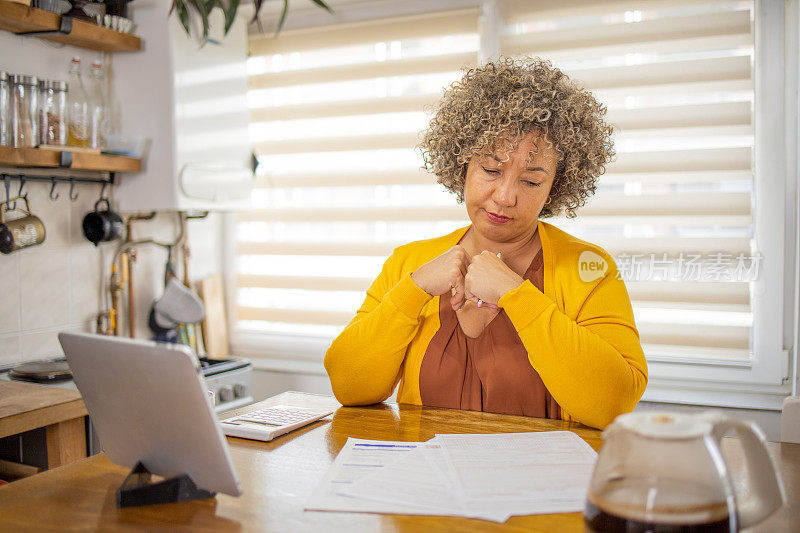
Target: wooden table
[(279, 476), (25, 406)]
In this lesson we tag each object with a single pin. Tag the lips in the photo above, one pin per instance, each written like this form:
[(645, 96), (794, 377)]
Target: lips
[(497, 219)]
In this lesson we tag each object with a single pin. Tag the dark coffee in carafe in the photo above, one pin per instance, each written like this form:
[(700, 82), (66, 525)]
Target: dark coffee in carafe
[(603, 516)]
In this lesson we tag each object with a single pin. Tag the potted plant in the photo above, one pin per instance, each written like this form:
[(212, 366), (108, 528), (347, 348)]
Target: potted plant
[(201, 9)]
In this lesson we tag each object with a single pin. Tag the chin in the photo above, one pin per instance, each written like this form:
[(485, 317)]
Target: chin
[(497, 233)]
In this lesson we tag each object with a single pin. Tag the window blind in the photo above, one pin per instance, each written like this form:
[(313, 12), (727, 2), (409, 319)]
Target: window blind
[(677, 80), (336, 113)]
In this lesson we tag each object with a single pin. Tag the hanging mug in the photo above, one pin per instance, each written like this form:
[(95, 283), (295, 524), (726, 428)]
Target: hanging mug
[(101, 226), (21, 232)]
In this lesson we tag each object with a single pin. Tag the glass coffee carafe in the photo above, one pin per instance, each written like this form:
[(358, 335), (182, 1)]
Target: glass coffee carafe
[(664, 472)]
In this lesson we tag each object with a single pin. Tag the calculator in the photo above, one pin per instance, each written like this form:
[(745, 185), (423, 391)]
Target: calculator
[(270, 422)]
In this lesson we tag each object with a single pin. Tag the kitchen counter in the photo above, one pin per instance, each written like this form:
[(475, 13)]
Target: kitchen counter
[(61, 412)]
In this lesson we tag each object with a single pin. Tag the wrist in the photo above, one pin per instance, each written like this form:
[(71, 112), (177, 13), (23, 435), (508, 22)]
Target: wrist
[(512, 285), (416, 279)]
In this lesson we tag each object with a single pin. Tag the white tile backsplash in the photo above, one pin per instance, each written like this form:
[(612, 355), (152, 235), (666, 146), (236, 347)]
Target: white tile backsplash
[(86, 279), (9, 350), (42, 345), (9, 294), (56, 220), (57, 286), (44, 282)]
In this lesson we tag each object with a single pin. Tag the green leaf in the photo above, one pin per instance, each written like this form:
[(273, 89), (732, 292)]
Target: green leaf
[(323, 5), (258, 4), (183, 16), (200, 7), (230, 14), (284, 12), (229, 9)]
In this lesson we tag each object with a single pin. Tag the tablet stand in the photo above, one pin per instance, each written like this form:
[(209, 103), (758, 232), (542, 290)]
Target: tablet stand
[(137, 489)]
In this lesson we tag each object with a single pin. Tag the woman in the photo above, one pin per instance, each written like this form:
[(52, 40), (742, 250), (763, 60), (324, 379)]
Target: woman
[(505, 315)]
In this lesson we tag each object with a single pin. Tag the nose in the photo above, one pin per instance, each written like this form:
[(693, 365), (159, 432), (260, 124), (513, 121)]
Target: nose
[(505, 191)]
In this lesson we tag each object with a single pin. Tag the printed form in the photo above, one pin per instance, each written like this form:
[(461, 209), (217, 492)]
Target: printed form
[(357, 459), (520, 473), (488, 476)]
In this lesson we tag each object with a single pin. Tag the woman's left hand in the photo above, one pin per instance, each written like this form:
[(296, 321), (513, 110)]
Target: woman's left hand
[(488, 278)]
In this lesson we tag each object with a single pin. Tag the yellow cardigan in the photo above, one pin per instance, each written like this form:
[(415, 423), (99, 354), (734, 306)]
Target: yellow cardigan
[(579, 334)]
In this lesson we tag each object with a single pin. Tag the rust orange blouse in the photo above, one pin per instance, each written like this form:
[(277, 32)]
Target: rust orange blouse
[(490, 372)]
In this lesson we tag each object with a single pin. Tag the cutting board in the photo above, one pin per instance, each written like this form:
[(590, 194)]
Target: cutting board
[(215, 325)]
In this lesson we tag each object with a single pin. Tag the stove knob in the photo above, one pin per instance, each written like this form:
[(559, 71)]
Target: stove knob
[(239, 390), (225, 394)]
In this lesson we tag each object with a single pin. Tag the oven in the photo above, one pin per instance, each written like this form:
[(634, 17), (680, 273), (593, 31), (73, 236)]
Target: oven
[(231, 380)]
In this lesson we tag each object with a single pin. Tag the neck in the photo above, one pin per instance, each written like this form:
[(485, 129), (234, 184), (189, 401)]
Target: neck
[(518, 248)]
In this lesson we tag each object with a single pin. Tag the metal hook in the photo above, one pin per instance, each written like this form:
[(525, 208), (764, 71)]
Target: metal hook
[(8, 187), (53, 190), (11, 206), (71, 190), (21, 184), (103, 191)]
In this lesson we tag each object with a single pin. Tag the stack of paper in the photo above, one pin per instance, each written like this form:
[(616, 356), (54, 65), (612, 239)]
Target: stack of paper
[(489, 476)]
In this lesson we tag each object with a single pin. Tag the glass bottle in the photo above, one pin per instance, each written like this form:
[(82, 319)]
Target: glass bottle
[(77, 106), (24, 103), (98, 107), (5, 110), (53, 112)]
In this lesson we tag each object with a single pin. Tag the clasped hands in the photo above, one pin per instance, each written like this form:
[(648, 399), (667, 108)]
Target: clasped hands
[(483, 277)]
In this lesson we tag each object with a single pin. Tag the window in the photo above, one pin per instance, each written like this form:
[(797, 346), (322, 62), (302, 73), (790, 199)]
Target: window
[(689, 209)]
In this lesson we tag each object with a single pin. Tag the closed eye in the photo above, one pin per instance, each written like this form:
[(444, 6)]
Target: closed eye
[(532, 183), (491, 170)]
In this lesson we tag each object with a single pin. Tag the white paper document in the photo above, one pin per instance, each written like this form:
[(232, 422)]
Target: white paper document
[(520, 473), (419, 481), (357, 459), (491, 476)]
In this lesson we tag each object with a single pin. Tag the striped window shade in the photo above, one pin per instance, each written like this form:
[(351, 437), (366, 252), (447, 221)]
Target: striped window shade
[(336, 114), (338, 110), (674, 208)]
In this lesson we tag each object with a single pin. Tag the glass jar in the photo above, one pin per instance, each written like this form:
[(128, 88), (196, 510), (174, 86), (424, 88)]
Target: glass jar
[(78, 106), (24, 104), (5, 110), (53, 112)]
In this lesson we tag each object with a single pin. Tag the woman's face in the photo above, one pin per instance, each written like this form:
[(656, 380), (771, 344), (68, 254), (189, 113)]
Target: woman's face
[(505, 191)]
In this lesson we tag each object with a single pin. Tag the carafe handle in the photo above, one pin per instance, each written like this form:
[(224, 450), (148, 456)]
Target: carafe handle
[(766, 490)]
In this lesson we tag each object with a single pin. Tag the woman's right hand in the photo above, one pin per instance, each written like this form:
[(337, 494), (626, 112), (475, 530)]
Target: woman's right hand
[(445, 274)]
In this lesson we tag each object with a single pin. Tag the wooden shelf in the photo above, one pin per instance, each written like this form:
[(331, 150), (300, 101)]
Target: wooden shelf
[(35, 158), (18, 18)]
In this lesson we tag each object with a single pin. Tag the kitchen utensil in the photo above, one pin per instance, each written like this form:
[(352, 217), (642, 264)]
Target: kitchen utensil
[(117, 7), (21, 232), (54, 6), (178, 305), (115, 22), (215, 330), (661, 471), (101, 226), (79, 10)]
